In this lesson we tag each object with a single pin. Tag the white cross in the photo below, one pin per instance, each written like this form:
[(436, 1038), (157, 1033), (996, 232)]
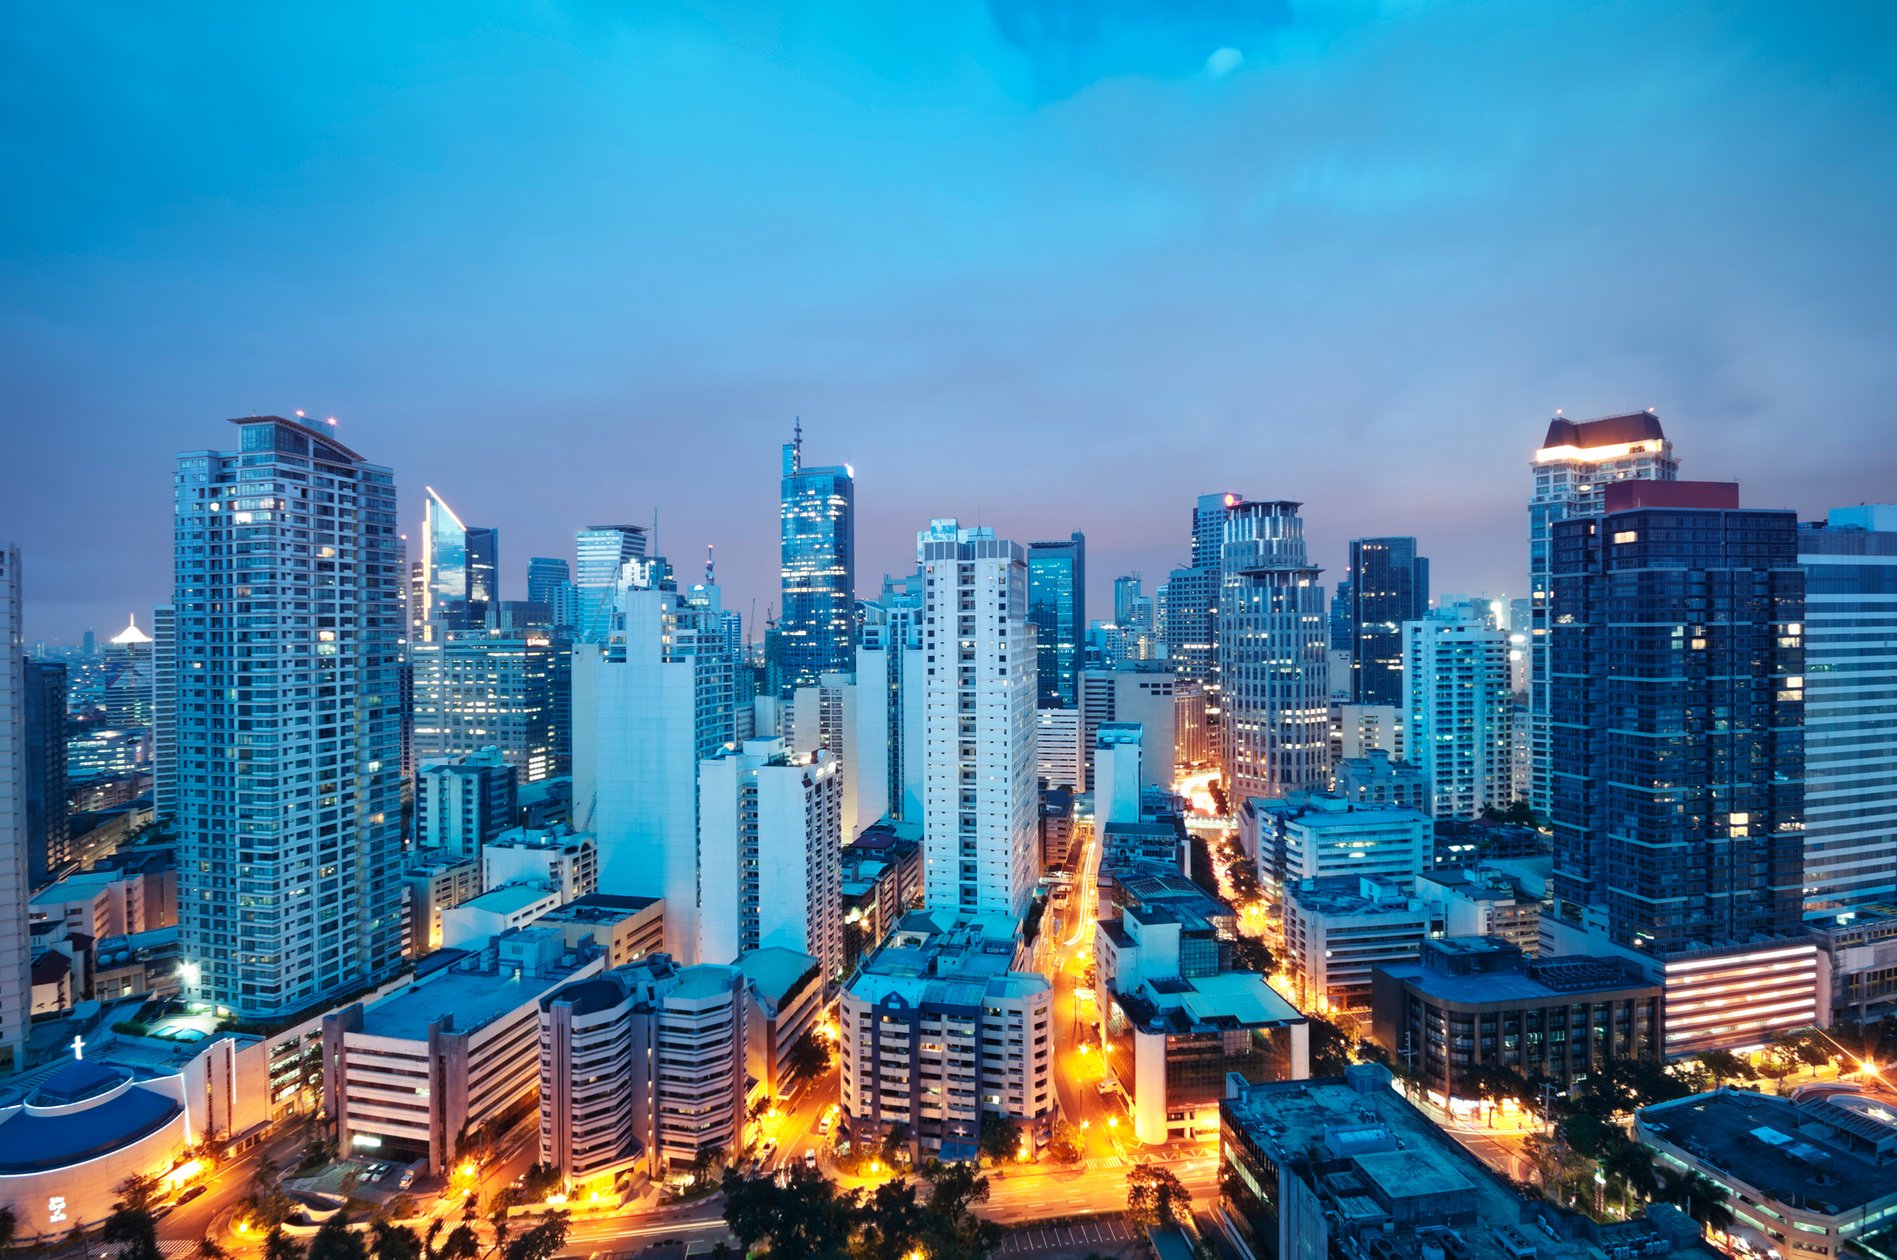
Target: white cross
[(78, 1047)]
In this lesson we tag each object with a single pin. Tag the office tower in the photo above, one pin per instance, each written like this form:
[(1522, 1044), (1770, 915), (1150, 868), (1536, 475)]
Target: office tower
[(1163, 705), (1850, 561), (550, 582), (16, 963), (770, 838), (1458, 710), (649, 705), (1273, 655), (981, 801), (128, 682), (1677, 694), (289, 821), (165, 714), (816, 613), (1057, 605), (1192, 604), (475, 691), (603, 551), (1342, 630), (47, 836), (1131, 608), (460, 565), (892, 651), (1389, 585), (1577, 460), (462, 803)]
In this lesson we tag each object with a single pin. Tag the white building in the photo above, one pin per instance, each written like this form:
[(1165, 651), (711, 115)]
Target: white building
[(770, 843), (1358, 729), (1058, 757), (1576, 460), (1460, 710), (1314, 835), (1484, 903), (1375, 779), (476, 690), (1274, 645), (1168, 709), (405, 1077), (649, 705), (16, 963), (938, 1029), (288, 607), (479, 918), (850, 720), (981, 803), (1116, 774), (1337, 931), (463, 802), (558, 859)]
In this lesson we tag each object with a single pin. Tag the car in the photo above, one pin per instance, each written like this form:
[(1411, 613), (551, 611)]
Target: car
[(407, 1179), (810, 1157), (823, 1125), (191, 1194)]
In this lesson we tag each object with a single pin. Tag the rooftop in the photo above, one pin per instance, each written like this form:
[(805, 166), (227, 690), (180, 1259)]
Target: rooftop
[(1636, 426), (1800, 1151), (598, 908), (511, 899), (472, 996), (775, 971)]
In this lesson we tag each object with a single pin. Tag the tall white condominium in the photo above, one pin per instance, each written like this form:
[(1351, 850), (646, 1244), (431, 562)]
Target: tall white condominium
[(1274, 655), (891, 651), (850, 720), (981, 802), (602, 551), (1850, 628), (1576, 459), (16, 963), (288, 613), (649, 704), (1458, 719), (770, 844)]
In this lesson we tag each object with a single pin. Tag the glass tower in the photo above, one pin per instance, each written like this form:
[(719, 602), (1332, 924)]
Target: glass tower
[(1389, 585), (288, 620), (460, 571), (603, 551), (816, 616), (1057, 605)]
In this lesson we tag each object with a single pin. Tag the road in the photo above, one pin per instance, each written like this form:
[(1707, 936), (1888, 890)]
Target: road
[(1063, 954), (230, 1183)]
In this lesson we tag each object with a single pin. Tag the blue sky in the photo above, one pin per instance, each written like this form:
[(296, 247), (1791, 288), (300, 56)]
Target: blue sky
[(1048, 264)]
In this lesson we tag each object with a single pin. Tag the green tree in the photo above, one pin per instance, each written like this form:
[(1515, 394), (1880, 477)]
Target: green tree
[(137, 1193), (1066, 1146), (1705, 1201), (1727, 1066), (890, 1222), (1000, 1137), (952, 1228), (336, 1241), (705, 1165), (1251, 954), (389, 1241), (1330, 1048), (500, 1216), (541, 1180), (278, 1245), (1154, 1196), (132, 1224), (803, 1219), (9, 1227), (209, 1248), (542, 1242), (462, 1243), (809, 1056)]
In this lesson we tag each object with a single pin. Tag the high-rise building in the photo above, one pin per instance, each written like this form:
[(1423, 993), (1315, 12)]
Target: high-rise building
[(1131, 608), (649, 705), (165, 714), (1459, 710), (48, 844), (16, 961), (981, 801), (288, 606), (603, 551), (462, 803), (892, 653), (1577, 460), (487, 690), (1850, 562), (550, 582), (1273, 652), (127, 683), (1389, 585), (460, 579), (770, 839), (1192, 601), (1677, 681), (1057, 605), (815, 618)]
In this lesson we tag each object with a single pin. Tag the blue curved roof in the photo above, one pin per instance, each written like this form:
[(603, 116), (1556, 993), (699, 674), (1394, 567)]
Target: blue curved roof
[(30, 1143)]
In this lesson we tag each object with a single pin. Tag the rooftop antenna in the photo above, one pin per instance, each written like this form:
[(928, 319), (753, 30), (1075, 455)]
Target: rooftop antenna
[(652, 549), (749, 624), (709, 566)]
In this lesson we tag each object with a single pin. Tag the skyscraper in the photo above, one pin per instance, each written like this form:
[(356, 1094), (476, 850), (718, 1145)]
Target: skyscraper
[(603, 551), (815, 619), (1850, 562), (981, 802), (1057, 605), (1389, 585), (1458, 707), (1273, 649), (1577, 460), (1192, 602), (550, 582), (47, 836), (16, 962), (475, 691), (1677, 676), (460, 572), (288, 607)]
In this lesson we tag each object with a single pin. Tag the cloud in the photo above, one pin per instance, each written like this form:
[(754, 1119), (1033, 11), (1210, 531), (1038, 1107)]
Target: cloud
[(1223, 62)]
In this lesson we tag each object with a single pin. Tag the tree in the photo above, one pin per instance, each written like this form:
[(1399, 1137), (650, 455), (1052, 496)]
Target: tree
[(890, 1223), (1705, 1201), (1000, 1137), (278, 1245), (809, 1056), (1066, 1147), (336, 1241), (500, 1216), (895, 1144), (803, 1219), (1330, 1048), (462, 1243), (1727, 1066), (1203, 1248), (542, 1242), (706, 1163), (9, 1227), (389, 1241), (132, 1224), (210, 1248), (137, 1193), (1154, 1196), (1251, 954), (952, 1228)]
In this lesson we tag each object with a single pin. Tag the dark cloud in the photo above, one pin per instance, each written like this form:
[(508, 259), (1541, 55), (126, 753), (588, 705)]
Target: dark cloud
[(1044, 264)]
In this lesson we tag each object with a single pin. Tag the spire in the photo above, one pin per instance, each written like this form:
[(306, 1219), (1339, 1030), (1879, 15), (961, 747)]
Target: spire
[(710, 566)]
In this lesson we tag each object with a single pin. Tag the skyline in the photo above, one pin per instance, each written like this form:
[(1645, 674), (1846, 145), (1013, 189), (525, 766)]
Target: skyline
[(1013, 267)]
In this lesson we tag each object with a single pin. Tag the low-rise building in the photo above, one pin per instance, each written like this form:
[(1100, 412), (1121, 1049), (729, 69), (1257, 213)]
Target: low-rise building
[(624, 929), (556, 858), (437, 880), (95, 904), (939, 1029), (463, 802), (414, 1074), (1484, 902), (1804, 1177), (1317, 835), (1337, 931), (490, 914), (881, 880), (1862, 947), (786, 1001), (1473, 1002)]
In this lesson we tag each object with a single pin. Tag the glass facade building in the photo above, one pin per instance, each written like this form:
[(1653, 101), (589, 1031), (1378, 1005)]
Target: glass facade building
[(816, 617), (1389, 585), (1057, 605), (460, 579), (603, 551), (1677, 704)]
